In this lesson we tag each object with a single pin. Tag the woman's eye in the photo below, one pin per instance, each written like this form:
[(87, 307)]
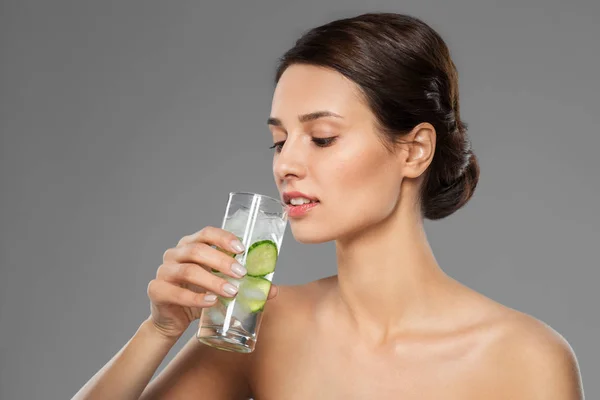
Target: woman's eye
[(324, 142), (277, 146), (321, 142)]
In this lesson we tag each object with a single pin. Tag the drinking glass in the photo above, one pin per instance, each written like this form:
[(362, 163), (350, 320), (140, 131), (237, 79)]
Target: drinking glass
[(259, 222)]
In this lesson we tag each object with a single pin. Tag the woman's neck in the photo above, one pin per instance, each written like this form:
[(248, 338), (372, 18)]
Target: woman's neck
[(388, 278)]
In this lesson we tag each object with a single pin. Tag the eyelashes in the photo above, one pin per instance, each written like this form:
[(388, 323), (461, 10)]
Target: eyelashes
[(320, 142)]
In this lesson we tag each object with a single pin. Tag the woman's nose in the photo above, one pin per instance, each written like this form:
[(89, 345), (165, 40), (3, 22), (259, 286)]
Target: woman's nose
[(290, 162)]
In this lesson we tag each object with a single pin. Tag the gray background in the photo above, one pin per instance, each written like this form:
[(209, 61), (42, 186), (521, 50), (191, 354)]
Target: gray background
[(124, 124)]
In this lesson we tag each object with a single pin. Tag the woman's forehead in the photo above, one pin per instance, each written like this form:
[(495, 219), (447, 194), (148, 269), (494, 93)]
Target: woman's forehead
[(306, 88)]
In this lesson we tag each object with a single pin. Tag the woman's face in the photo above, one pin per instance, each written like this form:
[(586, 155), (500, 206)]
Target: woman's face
[(356, 180)]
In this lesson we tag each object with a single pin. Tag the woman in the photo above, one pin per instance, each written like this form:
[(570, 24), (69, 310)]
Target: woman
[(365, 120)]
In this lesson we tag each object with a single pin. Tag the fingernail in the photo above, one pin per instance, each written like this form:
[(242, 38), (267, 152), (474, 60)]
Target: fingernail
[(209, 298), (238, 269), (237, 245), (230, 289)]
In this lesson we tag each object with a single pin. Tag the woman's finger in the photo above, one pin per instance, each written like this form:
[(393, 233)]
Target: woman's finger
[(194, 274), (162, 292)]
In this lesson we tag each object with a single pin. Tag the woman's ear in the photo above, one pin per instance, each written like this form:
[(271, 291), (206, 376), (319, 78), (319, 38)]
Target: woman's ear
[(420, 148)]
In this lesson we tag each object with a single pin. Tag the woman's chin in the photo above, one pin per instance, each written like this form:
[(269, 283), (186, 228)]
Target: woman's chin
[(309, 235)]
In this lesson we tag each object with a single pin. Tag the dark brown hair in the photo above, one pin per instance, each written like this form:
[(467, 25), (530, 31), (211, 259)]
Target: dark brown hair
[(406, 75)]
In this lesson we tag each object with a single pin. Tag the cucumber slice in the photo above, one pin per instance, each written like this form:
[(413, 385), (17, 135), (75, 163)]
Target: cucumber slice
[(261, 258), (253, 293)]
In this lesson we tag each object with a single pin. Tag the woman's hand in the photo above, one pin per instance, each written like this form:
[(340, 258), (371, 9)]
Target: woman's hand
[(184, 284)]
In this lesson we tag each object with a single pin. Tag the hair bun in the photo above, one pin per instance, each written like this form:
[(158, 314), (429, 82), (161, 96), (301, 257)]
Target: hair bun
[(442, 200)]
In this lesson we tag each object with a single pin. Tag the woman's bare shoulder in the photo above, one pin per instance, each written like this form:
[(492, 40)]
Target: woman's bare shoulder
[(288, 314), (518, 354), (529, 356), (300, 295)]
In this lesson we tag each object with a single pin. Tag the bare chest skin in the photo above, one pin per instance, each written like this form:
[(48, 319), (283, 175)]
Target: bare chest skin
[(304, 358)]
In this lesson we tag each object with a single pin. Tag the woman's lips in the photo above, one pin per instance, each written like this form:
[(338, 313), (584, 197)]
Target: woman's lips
[(298, 211)]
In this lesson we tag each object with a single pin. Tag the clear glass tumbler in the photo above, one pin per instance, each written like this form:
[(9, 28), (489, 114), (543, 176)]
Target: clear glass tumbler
[(259, 222)]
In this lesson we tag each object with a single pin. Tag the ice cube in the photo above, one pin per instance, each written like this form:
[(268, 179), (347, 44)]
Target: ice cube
[(252, 293), (236, 223), (265, 227), (270, 228), (216, 314), (241, 310)]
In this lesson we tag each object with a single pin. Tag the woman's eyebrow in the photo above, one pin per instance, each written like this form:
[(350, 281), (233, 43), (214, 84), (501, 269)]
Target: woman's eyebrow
[(305, 118)]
